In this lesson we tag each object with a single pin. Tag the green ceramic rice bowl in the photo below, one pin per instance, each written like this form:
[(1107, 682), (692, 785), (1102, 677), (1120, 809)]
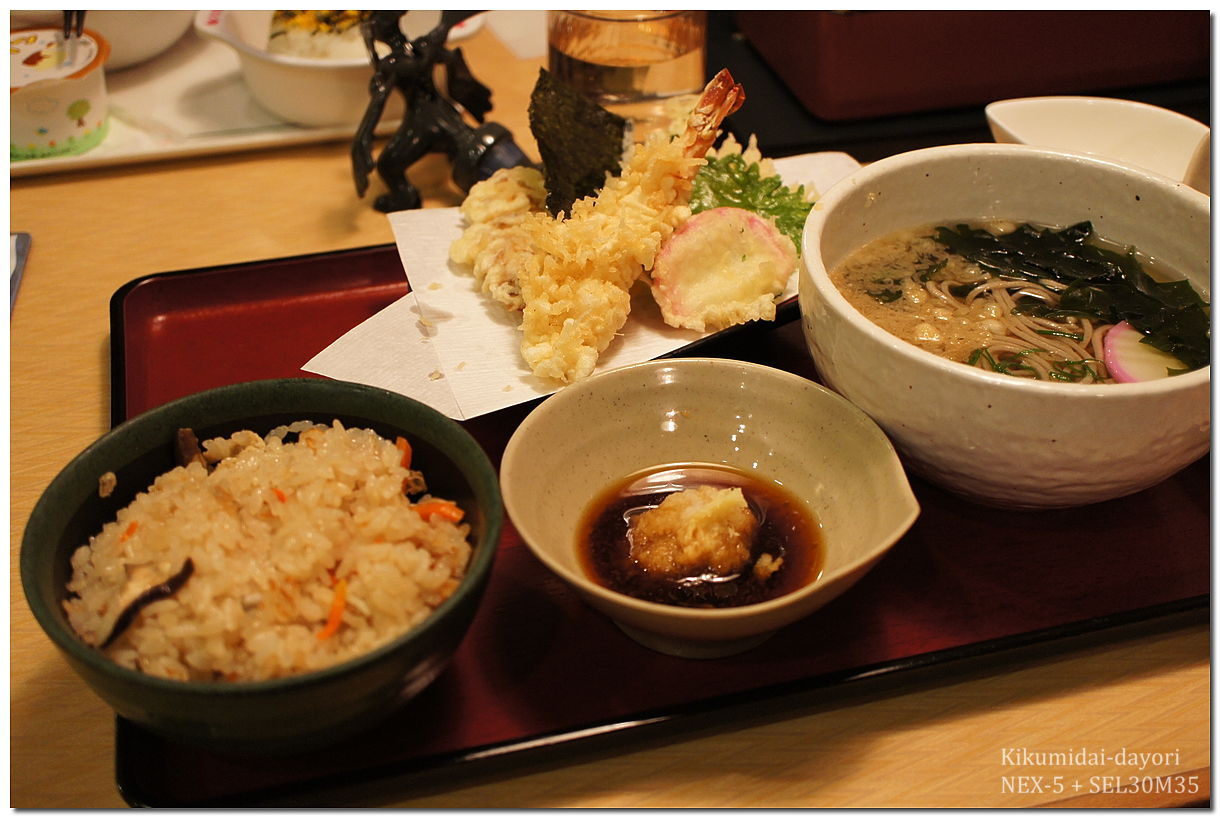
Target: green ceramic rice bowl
[(291, 712)]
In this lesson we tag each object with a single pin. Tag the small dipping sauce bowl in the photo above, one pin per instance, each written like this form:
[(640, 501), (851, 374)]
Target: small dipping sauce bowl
[(756, 419)]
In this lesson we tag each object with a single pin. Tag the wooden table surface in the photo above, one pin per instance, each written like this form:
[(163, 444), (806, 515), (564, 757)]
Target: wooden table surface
[(948, 743)]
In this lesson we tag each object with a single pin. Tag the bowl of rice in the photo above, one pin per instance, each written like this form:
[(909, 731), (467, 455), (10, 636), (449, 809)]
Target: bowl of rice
[(309, 68), (1029, 326), (269, 565)]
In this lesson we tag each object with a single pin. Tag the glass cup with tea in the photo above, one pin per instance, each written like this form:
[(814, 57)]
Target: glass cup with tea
[(646, 66)]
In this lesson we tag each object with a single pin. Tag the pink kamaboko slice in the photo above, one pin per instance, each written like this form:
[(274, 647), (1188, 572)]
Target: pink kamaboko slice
[(1130, 360)]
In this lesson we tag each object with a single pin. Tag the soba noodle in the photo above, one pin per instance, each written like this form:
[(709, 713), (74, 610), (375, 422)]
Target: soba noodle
[(912, 285)]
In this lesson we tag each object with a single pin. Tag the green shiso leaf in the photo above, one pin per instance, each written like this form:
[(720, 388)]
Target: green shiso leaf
[(728, 181)]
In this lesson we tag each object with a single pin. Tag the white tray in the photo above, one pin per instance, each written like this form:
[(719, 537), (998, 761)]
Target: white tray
[(189, 101)]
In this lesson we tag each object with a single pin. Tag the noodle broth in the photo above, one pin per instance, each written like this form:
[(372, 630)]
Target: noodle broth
[(911, 284)]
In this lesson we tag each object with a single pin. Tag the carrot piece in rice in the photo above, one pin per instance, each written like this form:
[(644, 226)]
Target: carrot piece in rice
[(337, 604), (405, 448), (445, 509)]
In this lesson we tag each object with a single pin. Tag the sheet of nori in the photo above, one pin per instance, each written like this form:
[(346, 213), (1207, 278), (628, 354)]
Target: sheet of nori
[(578, 141)]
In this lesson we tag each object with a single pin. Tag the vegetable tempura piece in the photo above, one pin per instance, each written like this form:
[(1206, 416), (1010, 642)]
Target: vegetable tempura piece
[(495, 210), (723, 267)]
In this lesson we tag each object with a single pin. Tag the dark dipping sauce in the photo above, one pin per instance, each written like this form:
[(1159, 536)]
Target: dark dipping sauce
[(786, 530)]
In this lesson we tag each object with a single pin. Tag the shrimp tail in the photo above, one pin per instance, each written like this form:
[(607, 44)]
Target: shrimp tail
[(721, 97)]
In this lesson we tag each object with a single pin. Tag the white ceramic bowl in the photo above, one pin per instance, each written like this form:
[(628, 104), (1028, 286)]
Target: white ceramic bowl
[(782, 427), (134, 36), (991, 437), (1134, 133), (138, 36), (311, 92)]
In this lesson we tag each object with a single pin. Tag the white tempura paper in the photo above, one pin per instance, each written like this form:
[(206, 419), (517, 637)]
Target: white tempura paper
[(449, 346)]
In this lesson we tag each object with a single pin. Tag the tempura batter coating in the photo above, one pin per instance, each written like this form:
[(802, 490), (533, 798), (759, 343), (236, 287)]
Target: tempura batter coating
[(493, 241)]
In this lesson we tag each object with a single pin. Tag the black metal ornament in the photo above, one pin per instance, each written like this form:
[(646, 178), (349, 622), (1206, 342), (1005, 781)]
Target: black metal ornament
[(433, 121)]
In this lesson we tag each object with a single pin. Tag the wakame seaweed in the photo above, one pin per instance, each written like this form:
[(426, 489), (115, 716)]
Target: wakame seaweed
[(728, 181), (578, 140), (1100, 284)]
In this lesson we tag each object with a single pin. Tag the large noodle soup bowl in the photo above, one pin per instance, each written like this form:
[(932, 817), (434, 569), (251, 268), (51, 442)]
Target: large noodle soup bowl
[(993, 438)]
